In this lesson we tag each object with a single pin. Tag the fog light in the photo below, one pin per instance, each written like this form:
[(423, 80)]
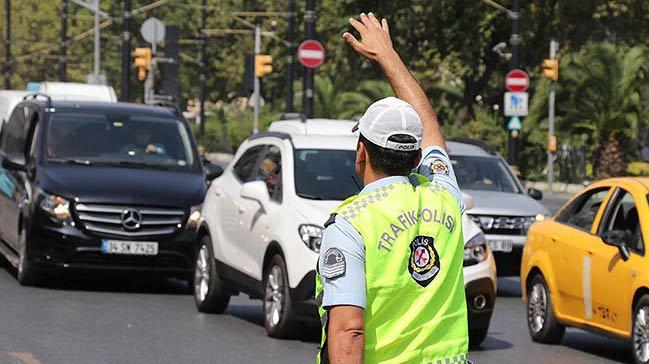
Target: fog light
[(480, 302)]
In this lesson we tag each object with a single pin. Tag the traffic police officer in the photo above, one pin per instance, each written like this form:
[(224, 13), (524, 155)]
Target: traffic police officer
[(390, 268)]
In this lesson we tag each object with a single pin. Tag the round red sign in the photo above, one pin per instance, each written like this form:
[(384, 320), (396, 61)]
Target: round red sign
[(311, 53), (517, 81)]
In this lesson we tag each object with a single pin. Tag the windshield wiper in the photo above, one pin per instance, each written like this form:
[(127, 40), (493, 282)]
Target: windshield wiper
[(84, 162), (142, 165), (310, 197)]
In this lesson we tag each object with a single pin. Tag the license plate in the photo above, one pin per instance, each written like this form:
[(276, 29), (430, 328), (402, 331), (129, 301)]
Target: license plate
[(129, 247), (505, 246)]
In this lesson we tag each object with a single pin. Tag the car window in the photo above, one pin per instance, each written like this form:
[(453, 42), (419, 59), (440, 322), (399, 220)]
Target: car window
[(323, 174), (623, 216), (270, 171), (116, 138), (15, 132), (246, 164), (483, 174), (581, 212)]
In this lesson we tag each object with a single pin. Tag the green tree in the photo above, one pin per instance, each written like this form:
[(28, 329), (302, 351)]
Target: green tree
[(604, 98)]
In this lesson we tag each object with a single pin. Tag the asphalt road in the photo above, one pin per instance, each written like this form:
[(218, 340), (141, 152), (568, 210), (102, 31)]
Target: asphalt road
[(146, 320)]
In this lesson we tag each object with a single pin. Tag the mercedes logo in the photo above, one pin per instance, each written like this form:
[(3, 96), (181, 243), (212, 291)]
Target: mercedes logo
[(131, 219)]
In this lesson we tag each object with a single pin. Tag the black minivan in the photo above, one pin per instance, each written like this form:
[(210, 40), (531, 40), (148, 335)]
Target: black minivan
[(99, 186)]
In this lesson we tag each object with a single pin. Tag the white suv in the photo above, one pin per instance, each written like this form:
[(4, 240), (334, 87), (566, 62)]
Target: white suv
[(263, 221)]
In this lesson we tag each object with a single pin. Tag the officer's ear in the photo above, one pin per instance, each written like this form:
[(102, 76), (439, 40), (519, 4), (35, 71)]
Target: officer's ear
[(361, 154)]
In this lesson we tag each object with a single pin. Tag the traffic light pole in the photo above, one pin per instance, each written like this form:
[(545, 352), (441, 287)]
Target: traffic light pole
[(257, 86), (7, 68), (309, 33), (126, 52), (201, 126), (551, 95), (290, 56), (514, 41), (63, 46)]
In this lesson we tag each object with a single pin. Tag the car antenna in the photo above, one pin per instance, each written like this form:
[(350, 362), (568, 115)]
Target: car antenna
[(356, 182)]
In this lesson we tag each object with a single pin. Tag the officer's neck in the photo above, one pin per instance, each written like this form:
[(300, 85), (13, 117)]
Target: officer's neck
[(370, 176)]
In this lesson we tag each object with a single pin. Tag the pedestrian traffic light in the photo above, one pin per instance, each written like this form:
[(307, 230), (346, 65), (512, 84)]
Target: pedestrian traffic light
[(142, 62), (551, 69), (263, 64)]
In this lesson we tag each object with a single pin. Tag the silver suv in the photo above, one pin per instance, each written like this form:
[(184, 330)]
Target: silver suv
[(502, 207)]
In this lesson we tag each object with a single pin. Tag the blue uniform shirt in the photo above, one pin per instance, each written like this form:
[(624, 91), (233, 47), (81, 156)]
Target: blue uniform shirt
[(349, 288)]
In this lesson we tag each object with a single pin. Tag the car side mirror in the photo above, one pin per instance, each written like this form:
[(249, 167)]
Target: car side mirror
[(212, 171), (618, 239), (14, 162), (256, 191), (468, 201), (534, 193)]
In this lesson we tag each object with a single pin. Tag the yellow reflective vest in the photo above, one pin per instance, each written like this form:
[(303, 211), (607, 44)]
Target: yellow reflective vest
[(414, 251)]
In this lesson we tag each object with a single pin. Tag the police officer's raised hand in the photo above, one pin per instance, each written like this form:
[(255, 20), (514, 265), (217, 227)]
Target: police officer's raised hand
[(375, 43)]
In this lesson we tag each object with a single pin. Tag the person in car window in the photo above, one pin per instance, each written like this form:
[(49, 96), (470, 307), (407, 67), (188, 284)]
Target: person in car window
[(144, 141)]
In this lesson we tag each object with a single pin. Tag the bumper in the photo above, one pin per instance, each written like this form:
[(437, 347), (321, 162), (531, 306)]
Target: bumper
[(480, 290), (509, 263), (305, 307), (58, 248)]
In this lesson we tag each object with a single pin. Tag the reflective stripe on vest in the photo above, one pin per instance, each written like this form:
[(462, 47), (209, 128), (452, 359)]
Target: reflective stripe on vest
[(414, 250)]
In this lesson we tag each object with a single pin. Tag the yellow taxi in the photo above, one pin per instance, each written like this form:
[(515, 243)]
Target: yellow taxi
[(587, 267)]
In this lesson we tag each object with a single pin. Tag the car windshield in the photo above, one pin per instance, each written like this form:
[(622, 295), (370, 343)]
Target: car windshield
[(483, 174), (121, 140), (322, 174)]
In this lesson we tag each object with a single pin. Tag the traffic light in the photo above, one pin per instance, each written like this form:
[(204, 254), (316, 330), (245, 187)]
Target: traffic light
[(551, 69), (142, 62), (263, 65)]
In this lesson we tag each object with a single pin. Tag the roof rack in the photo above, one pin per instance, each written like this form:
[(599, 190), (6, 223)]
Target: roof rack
[(475, 142), (168, 104), (273, 134), (293, 116), (35, 95)]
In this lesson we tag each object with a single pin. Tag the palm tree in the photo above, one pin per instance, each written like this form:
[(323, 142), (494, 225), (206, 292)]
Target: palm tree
[(603, 97)]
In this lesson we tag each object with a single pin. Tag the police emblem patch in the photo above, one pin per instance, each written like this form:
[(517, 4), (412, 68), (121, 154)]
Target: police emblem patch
[(438, 166), (334, 264), (423, 264)]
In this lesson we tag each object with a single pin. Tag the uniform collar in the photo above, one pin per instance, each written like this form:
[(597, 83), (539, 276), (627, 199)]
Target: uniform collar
[(382, 182)]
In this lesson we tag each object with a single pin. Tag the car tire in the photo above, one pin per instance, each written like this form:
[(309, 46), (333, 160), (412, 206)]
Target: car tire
[(640, 333), (26, 272), (541, 321), (277, 300), (209, 294), (477, 336)]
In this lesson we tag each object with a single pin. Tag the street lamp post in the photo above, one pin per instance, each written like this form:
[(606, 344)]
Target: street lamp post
[(126, 51), (290, 56), (63, 47), (7, 68), (515, 40)]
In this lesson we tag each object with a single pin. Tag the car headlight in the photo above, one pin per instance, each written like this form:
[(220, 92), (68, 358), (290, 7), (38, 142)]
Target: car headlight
[(56, 206), (311, 236), (195, 216), (475, 250)]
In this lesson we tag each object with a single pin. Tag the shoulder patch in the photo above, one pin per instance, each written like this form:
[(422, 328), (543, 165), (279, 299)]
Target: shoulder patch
[(333, 264), (438, 166), (423, 263)]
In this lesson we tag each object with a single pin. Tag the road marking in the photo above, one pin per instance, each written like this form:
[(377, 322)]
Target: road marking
[(586, 282), (24, 358)]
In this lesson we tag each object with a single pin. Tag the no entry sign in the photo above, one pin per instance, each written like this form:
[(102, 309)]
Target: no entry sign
[(517, 81), (311, 54)]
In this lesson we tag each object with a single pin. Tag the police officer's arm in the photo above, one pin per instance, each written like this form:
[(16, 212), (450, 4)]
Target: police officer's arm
[(346, 335), (376, 45)]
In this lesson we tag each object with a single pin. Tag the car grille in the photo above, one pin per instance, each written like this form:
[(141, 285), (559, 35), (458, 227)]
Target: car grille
[(504, 225), (108, 220)]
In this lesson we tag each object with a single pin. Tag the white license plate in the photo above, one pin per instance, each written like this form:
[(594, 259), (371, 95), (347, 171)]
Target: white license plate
[(129, 247), (505, 246)]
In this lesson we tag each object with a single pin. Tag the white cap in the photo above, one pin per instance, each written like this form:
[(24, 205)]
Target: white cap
[(387, 117)]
